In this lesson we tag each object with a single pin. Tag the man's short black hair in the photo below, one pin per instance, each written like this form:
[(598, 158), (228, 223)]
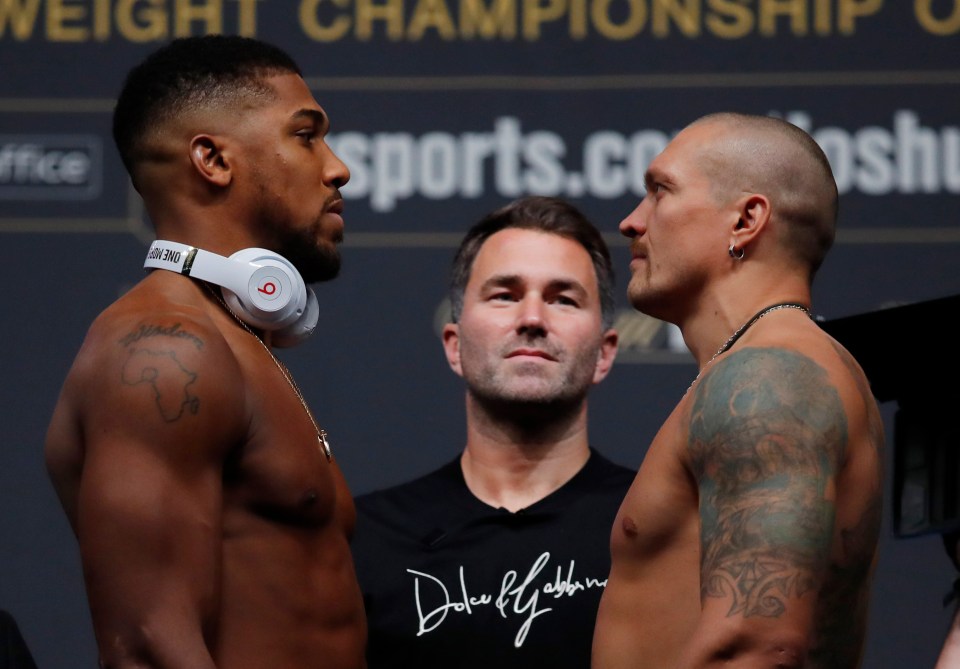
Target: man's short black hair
[(187, 73), (546, 214)]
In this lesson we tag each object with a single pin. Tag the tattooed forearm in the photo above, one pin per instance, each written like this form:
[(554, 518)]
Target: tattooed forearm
[(767, 433), (168, 380), (145, 331)]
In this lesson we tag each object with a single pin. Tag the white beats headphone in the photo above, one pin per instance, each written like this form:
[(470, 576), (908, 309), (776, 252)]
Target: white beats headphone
[(262, 288)]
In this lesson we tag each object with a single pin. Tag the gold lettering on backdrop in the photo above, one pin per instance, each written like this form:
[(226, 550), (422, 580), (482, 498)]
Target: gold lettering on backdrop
[(20, 17), (729, 19), (132, 20), (684, 15), (247, 17), (431, 14), (488, 22), (616, 20), (948, 24), (101, 20), (578, 19), (336, 29), (208, 14), (849, 11), (414, 20), (796, 10), (61, 13), (821, 17), (369, 11), (146, 25), (536, 12), (636, 18)]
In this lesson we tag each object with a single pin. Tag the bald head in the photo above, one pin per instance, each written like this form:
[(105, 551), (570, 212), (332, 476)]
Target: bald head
[(769, 156)]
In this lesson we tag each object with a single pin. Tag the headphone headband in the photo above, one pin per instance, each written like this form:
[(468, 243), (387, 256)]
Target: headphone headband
[(191, 261), (262, 288)]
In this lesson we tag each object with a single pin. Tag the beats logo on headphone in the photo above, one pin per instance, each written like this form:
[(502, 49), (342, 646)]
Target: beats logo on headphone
[(262, 288)]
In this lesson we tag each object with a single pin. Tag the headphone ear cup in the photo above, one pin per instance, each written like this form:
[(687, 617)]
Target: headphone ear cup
[(275, 295), (298, 331)]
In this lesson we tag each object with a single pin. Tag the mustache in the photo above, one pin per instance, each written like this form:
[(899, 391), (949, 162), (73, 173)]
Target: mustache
[(335, 202), (538, 344)]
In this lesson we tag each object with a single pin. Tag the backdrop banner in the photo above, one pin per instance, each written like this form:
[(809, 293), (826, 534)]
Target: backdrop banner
[(444, 110)]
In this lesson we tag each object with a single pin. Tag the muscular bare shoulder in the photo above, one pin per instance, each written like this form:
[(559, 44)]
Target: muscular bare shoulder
[(172, 348), (785, 444), (767, 435), (154, 373)]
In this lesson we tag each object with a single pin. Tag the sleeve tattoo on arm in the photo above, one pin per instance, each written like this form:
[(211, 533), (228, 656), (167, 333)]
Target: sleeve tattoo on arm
[(767, 432)]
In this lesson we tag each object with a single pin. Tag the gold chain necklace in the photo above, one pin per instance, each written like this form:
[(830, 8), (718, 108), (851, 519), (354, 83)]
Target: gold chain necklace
[(743, 328), (321, 433)]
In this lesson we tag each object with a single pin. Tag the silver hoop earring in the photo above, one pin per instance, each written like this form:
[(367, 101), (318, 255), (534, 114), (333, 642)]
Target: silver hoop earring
[(735, 253)]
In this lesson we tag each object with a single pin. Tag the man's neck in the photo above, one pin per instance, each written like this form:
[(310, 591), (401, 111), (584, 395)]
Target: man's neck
[(512, 464), (720, 314)]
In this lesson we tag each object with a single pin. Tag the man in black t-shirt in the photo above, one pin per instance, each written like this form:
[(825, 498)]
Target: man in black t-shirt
[(499, 558)]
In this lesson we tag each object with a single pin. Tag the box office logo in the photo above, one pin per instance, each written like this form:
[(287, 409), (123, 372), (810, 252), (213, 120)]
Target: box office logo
[(50, 167)]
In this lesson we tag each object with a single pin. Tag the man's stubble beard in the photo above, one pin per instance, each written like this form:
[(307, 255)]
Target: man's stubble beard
[(315, 258), (649, 299), (638, 290), (549, 400)]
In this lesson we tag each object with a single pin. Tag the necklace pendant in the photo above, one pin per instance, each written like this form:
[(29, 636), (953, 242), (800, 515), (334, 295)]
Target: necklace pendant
[(324, 444), (322, 441)]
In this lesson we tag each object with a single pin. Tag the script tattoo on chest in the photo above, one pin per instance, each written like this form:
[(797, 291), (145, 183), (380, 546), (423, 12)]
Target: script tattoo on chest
[(174, 331)]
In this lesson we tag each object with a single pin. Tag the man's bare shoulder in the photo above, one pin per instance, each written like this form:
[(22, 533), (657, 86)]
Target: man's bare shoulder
[(151, 317), (154, 381), (846, 378), (155, 357)]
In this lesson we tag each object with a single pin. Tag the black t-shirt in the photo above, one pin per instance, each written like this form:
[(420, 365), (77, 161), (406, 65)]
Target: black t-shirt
[(449, 581)]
